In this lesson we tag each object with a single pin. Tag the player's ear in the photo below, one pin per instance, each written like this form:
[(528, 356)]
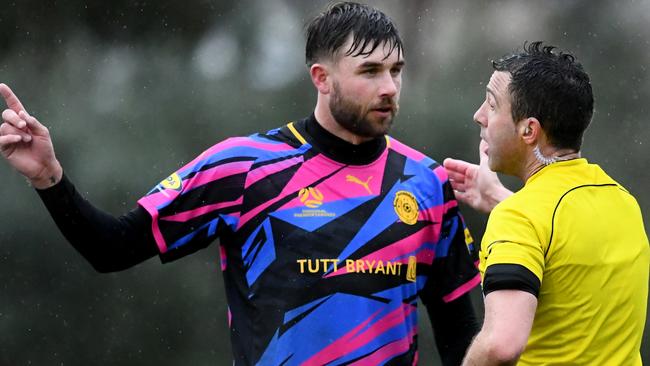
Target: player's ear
[(320, 76)]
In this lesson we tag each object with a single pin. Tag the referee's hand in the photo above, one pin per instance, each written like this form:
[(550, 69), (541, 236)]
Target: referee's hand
[(26, 143)]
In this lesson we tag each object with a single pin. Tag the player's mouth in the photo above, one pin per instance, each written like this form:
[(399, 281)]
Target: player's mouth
[(385, 110)]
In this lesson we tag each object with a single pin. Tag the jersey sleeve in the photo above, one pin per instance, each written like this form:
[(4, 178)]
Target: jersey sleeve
[(510, 238), (454, 268), (192, 206)]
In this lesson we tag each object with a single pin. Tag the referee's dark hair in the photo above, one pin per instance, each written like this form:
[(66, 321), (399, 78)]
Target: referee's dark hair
[(551, 86), (369, 27)]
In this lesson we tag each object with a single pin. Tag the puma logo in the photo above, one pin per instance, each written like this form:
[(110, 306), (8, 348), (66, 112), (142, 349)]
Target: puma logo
[(353, 179)]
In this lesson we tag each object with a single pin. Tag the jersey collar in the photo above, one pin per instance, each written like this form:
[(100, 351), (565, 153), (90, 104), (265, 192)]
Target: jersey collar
[(336, 148)]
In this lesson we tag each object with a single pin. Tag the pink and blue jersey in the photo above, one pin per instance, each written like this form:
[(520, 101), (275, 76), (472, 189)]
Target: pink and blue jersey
[(323, 261)]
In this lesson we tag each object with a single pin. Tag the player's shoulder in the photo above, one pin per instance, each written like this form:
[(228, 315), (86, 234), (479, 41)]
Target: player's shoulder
[(253, 145), (417, 159)]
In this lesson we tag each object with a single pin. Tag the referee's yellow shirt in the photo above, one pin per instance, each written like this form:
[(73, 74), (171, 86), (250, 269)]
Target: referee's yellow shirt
[(582, 235)]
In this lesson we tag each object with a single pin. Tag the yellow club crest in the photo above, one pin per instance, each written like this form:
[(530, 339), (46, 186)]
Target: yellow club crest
[(172, 182), (311, 197), (406, 207)]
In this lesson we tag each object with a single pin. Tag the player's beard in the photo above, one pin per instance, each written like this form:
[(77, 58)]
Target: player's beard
[(357, 119)]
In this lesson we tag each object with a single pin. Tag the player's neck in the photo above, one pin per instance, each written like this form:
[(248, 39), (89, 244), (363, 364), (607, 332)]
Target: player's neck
[(324, 117)]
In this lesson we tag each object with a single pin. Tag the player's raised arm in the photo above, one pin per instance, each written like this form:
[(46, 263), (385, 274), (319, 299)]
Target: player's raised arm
[(26, 143), (108, 243)]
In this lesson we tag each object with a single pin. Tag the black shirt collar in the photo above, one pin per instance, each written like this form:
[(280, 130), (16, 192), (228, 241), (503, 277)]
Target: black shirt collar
[(338, 149)]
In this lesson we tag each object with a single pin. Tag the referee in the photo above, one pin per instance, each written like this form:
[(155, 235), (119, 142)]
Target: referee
[(564, 261)]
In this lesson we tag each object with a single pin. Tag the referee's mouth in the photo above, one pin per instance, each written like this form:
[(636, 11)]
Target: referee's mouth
[(484, 146)]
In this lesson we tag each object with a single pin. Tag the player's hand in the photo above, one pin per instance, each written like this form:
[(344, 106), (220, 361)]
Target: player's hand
[(476, 185), (26, 143)]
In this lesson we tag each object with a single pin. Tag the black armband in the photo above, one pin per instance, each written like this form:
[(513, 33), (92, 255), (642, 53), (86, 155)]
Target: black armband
[(510, 277)]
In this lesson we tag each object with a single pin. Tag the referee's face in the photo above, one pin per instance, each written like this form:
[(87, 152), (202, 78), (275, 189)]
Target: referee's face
[(365, 90), (505, 149)]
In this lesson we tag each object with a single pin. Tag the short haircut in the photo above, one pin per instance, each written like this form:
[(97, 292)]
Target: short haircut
[(551, 86), (369, 27)]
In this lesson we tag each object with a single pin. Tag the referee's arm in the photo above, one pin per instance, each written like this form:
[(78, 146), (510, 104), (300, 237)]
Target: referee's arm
[(508, 320), (511, 292)]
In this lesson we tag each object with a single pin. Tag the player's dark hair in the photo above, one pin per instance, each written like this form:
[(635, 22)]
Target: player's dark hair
[(551, 86), (369, 28)]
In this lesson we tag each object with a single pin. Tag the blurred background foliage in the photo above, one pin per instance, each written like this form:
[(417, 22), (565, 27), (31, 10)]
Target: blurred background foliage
[(132, 90)]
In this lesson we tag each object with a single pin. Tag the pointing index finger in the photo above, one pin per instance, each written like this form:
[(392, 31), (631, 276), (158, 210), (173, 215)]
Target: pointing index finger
[(34, 125), (10, 98), (456, 166)]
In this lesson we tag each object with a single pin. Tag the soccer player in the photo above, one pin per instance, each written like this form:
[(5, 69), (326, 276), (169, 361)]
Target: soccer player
[(564, 260), (330, 230)]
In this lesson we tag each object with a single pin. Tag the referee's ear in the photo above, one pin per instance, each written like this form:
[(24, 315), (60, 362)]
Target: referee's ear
[(530, 131), (320, 77)]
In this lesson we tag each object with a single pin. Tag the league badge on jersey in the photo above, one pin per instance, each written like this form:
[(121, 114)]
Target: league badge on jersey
[(406, 207), (311, 197), (172, 182), (468, 239)]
